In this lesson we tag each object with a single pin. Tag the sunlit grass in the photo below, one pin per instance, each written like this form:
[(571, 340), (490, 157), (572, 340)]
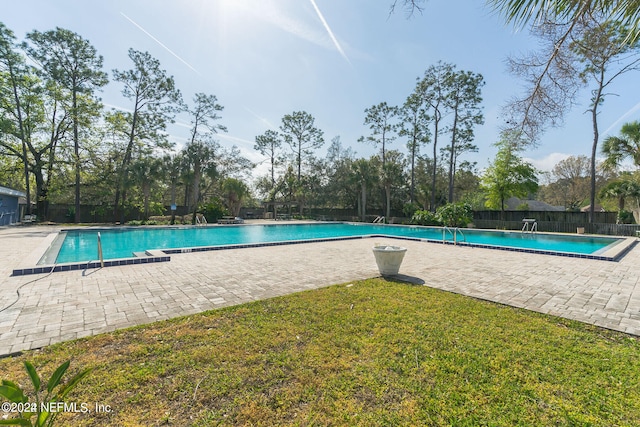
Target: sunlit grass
[(374, 352)]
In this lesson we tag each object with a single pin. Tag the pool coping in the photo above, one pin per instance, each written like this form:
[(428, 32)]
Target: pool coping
[(613, 253)]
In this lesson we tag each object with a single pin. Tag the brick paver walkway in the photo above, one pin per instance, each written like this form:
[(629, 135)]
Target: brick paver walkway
[(64, 306)]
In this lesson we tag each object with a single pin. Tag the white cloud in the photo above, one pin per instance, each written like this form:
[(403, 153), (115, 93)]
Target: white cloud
[(547, 162)]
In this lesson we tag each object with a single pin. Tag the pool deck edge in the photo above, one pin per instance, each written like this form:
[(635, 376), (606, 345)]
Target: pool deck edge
[(30, 264)]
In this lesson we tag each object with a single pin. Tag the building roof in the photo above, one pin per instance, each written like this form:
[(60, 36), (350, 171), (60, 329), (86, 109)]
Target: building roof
[(533, 205), (4, 191)]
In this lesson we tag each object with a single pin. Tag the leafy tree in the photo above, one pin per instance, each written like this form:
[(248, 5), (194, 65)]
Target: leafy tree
[(463, 100), (426, 194), (551, 84), (414, 123), (32, 122), (432, 90), (171, 167), (203, 124), (199, 161), (155, 102), (508, 175), (572, 182), (392, 176), (268, 144), (301, 134), (286, 188), (364, 173), (15, 82), (600, 48), (231, 163), (380, 120), (627, 145), (73, 64), (334, 172), (590, 50), (467, 183)]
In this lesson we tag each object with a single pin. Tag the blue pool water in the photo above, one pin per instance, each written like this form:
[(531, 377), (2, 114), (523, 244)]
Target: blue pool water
[(81, 245)]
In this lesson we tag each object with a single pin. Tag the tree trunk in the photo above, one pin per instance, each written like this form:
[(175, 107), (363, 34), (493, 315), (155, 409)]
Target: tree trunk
[(452, 156), (435, 168), (76, 153), (173, 202), (147, 195), (387, 191), (41, 192), (196, 189), (22, 137), (594, 148), (412, 190), (363, 200), (123, 175)]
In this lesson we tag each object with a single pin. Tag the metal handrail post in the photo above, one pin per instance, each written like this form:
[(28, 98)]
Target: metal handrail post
[(100, 250)]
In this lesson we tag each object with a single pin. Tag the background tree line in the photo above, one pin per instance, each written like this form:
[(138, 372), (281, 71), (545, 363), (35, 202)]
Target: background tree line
[(59, 144)]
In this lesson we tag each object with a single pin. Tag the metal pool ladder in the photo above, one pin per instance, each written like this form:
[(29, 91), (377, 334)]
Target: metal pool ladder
[(530, 225), (454, 234)]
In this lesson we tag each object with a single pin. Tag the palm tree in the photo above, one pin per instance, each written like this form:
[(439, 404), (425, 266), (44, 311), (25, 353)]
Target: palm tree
[(627, 145), (235, 192), (521, 12), (621, 190), (145, 173), (363, 172)]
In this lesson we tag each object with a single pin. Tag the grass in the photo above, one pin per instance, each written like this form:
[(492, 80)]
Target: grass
[(368, 353)]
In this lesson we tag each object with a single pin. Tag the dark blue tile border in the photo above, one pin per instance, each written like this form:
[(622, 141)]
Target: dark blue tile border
[(88, 265)]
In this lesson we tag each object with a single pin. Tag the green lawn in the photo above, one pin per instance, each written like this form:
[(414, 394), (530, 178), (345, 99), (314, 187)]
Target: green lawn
[(374, 352)]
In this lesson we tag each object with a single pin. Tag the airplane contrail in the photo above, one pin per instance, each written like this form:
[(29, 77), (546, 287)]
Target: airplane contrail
[(624, 116), (262, 119), (331, 35), (160, 43)]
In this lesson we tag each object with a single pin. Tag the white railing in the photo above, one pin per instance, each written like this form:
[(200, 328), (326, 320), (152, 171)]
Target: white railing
[(530, 225), (454, 234)]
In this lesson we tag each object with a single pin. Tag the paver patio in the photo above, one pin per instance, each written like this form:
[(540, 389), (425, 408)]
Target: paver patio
[(68, 305)]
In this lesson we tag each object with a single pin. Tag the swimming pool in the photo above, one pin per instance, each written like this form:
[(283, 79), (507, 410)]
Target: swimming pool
[(81, 245)]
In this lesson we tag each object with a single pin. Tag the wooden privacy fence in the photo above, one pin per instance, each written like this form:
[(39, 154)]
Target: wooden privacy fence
[(563, 227), (550, 216), (556, 222)]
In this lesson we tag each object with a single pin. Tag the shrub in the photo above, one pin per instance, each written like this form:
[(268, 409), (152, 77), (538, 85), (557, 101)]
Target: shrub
[(425, 218), (455, 214), (409, 209), (214, 210), (625, 217), (160, 219)]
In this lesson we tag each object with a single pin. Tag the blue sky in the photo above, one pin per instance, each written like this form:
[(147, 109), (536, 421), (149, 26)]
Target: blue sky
[(332, 58)]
